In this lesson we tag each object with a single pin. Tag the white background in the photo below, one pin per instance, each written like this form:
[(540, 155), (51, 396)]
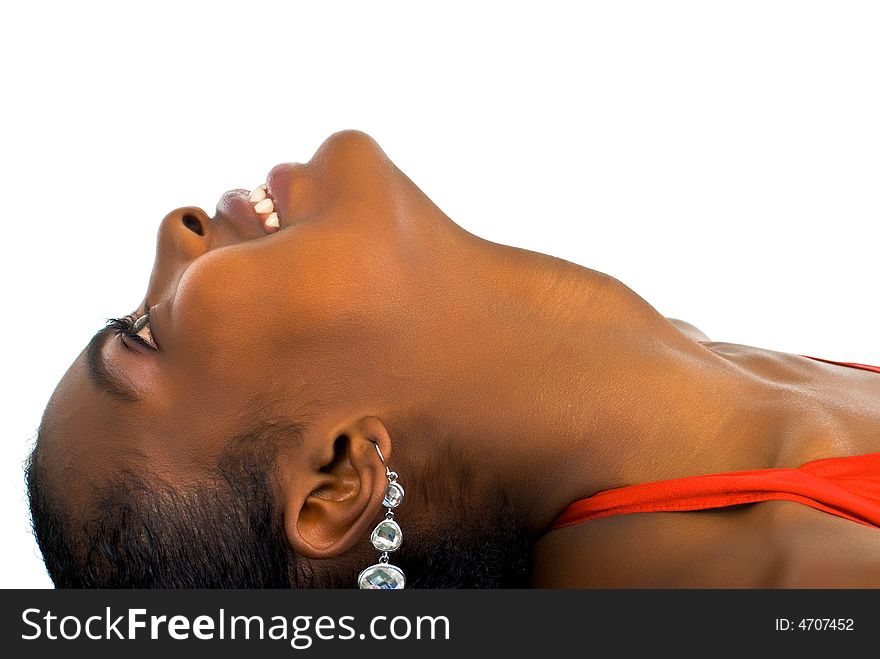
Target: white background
[(721, 159)]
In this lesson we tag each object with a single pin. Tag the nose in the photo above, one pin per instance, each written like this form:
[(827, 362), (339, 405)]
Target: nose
[(184, 235)]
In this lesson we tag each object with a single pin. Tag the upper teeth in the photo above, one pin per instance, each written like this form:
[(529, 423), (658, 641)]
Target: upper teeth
[(265, 208)]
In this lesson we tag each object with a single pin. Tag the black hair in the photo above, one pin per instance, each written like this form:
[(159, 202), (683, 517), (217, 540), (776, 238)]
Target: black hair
[(226, 531), (138, 531)]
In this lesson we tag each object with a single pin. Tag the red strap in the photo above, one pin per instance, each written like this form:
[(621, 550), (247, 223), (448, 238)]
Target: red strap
[(848, 487)]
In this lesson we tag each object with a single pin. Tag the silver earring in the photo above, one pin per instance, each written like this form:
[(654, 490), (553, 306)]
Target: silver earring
[(386, 537)]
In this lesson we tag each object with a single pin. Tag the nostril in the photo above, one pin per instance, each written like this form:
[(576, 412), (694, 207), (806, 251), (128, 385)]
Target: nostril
[(194, 224)]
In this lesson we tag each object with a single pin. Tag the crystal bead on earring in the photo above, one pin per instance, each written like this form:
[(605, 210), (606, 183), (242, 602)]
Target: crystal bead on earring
[(386, 537)]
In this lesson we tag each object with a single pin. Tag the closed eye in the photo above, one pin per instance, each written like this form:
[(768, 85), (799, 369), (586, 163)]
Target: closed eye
[(136, 330)]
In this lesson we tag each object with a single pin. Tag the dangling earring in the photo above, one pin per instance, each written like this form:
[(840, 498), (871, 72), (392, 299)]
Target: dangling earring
[(386, 537)]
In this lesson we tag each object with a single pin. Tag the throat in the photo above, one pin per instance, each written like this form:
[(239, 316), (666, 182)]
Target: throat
[(584, 386)]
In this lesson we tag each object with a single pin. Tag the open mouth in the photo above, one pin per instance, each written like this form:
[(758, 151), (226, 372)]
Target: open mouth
[(264, 207)]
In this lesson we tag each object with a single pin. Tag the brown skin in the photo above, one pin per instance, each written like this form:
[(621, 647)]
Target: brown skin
[(376, 317)]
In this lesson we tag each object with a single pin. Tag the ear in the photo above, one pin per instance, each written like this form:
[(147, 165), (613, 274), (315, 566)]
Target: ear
[(333, 503)]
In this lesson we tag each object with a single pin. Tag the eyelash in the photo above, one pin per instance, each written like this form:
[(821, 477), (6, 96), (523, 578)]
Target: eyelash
[(125, 327)]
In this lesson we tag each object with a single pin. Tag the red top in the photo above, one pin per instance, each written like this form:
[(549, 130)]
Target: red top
[(847, 486)]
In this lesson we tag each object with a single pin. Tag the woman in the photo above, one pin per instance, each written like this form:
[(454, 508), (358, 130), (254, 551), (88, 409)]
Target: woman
[(333, 331)]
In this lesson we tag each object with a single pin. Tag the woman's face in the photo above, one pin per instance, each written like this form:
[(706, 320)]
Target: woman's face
[(250, 323)]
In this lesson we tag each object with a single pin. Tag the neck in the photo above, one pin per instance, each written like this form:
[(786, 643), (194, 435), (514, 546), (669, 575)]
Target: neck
[(557, 381)]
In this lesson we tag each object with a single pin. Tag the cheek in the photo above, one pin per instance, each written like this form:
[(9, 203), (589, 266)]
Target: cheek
[(223, 311), (319, 277), (305, 294)]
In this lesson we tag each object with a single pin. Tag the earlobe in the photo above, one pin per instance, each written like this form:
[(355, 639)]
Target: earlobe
[(329, 509)]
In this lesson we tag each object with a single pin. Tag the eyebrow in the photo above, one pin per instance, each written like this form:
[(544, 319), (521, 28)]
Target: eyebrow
[(100, 375)]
